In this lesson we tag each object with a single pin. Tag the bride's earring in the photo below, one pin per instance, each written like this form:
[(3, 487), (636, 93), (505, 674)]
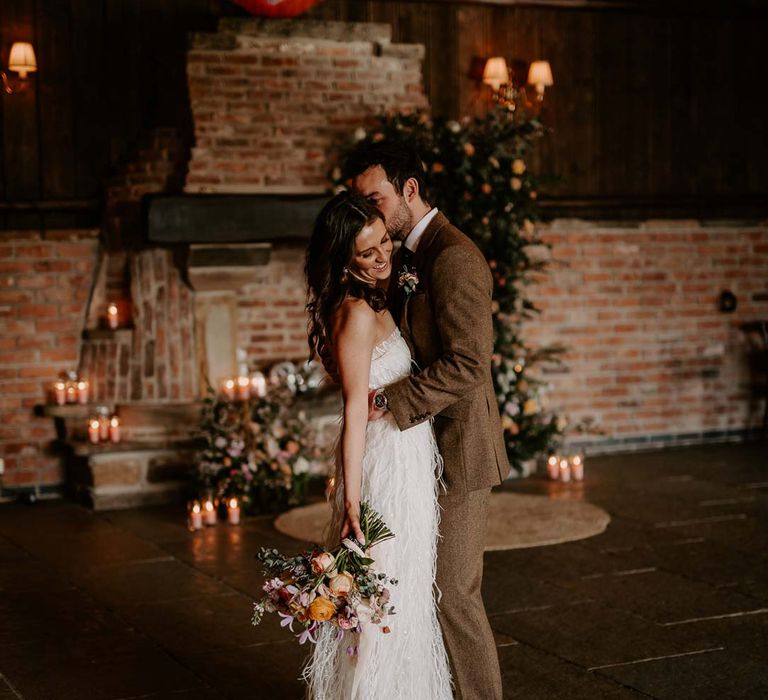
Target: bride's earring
[(345, 276)]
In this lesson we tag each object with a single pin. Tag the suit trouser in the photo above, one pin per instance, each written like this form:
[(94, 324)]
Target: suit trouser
[(466, 631)]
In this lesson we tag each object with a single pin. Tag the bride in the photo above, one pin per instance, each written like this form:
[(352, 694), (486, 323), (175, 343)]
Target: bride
[(348, 267)]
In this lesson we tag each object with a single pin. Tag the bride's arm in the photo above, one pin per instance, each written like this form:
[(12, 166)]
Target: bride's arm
[(355, 337)]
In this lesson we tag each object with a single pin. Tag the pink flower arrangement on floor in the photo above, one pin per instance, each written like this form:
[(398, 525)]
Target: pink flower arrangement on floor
[(319, 587)]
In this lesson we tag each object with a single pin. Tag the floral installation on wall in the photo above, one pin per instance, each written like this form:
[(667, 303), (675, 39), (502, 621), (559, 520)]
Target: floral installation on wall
[(478, 175)]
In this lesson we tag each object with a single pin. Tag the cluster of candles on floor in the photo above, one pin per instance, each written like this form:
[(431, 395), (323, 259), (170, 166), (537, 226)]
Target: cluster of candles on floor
[(243, 387), (565, 468), (103, 428), (73, 389), (205, 513)]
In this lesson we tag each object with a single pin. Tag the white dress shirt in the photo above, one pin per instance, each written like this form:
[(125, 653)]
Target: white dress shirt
[(413, 238)]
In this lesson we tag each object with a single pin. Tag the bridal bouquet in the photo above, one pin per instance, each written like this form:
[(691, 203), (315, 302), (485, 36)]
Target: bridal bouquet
[(319, 587)]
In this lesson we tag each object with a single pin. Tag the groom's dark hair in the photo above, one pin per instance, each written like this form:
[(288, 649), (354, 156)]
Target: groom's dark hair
[(399, 159)]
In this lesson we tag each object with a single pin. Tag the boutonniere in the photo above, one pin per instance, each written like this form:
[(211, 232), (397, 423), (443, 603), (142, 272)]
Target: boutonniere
[(407, 280)]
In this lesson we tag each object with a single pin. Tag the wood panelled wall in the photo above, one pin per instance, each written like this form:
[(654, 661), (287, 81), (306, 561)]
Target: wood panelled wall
[(661, 107), (109, 70)]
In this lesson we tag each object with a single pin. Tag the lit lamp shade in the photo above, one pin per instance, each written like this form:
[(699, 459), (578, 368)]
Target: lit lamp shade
[(22, 59), (496, 73), (540, 75)]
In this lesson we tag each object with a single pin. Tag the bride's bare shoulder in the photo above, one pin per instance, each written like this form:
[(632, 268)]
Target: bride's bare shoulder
[(354, 315)]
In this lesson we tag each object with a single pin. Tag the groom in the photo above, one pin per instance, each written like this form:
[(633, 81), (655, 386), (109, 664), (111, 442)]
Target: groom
[(446, 320)]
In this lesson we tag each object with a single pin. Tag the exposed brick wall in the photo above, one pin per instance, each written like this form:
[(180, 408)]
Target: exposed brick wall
[(154, 360), (270, 99), (272, 322), (649, 353), (44, 286)]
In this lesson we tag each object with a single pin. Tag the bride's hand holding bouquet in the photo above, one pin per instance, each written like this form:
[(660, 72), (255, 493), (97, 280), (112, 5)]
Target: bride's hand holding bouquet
[(338, 587)]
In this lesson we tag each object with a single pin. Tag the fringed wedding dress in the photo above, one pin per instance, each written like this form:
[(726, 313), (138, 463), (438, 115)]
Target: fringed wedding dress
[(400, 481)]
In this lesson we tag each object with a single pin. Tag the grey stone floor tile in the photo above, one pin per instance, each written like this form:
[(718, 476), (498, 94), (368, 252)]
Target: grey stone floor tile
[(35, 616), (659, 596), (262, 672), (132, 583), (530, 674), (506, 588), (708, 676), (200, 624), (746, 635), (65, 676), (590, 634)]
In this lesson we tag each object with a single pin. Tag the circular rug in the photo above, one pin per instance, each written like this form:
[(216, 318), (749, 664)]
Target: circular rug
[(515, 521)]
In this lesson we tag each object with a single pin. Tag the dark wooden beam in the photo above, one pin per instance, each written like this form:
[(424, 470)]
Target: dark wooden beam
[(230, 218)]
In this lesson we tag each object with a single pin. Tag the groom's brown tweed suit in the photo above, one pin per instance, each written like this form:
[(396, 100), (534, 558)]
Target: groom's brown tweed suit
[(447, 323)]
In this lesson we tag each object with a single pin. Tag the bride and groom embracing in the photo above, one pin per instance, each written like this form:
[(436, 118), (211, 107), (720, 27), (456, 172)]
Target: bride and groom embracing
[(409, 338)]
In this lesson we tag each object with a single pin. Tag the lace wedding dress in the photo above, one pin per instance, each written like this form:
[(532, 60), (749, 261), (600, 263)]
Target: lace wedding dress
[(400, 481)]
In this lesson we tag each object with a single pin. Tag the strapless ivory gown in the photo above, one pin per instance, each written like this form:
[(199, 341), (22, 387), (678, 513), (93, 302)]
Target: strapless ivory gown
[(401, 481)]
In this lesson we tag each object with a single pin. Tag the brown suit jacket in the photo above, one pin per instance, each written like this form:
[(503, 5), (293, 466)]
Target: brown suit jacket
[(447, 323)]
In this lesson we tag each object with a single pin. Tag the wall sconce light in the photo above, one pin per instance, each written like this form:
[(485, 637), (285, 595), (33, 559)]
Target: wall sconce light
[(506, 93), (540, 76), (22, 61)]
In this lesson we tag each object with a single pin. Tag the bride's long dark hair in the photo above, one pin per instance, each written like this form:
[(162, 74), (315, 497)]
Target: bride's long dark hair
[(329, 254)]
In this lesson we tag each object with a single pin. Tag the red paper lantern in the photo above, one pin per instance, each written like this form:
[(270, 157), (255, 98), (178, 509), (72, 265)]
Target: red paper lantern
[(277, 8)]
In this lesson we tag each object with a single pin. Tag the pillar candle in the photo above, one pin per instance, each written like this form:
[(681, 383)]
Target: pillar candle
[(71, 393), (577, 467), (229, 389), (233, 511), (565, 471), (114, 429), (195, 521), (243, 388), (103, 427), (209, 512), (60, 392), (93, 430), (553, 467), (82, 391), (112, 318)]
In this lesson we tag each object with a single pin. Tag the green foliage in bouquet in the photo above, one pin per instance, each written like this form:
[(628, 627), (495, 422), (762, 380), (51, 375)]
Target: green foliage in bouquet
[(477, 174), (261, 450)]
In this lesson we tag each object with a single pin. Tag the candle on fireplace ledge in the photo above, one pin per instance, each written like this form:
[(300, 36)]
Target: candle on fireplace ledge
[(112, 317), (195, 520), (93, 430), (60, 392), (243, 388), (82, 391), (565, 471), (229, 389), (71, 392), (114, 429), (209, 512), (233, 511)]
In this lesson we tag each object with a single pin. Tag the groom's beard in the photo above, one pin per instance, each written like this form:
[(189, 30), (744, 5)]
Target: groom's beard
[(401, 222)]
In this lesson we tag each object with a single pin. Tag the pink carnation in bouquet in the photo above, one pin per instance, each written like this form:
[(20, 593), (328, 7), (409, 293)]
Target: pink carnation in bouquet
[(340, 587)]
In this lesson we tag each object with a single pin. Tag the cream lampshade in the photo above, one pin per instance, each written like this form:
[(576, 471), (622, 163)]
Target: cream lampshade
[(540, 75), (22, 59), (496, 73)]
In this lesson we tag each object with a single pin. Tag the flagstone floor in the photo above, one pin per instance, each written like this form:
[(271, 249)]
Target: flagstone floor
[(670, 602)]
